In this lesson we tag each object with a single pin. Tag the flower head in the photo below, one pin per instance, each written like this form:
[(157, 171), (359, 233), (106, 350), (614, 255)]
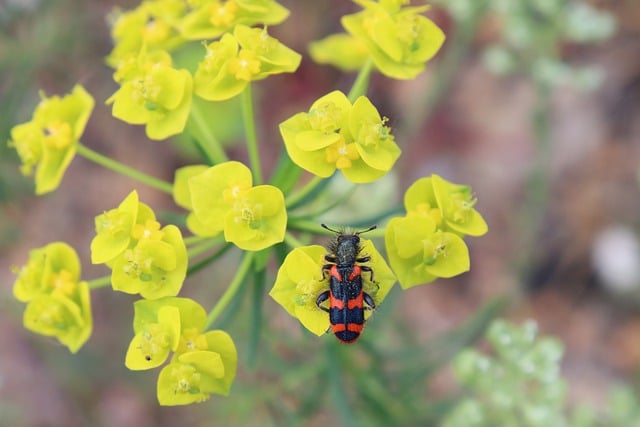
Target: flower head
[(450, 205), (211, 19), (48, 142), (427, 242), (152, 24), (203, 363), (300, 281), (58, 303), (182, 196), (153, 93), (144, 257), (223, 198), (236, 59), (337, 135), (419, 253), (398, 39)]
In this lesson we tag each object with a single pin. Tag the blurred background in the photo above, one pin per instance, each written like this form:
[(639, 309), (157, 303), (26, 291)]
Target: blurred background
[(535, 104)]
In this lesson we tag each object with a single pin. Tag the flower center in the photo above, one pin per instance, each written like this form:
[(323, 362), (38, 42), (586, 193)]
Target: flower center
[(245, 65), (222, 14), (63, 283), (149, 230), (58, 135), (186, 379), (154, 340), (434, 248), (191, 340), (326, 117), (342, 154)]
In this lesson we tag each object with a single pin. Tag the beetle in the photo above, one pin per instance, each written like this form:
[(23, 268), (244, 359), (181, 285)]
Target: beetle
[(346, 296)]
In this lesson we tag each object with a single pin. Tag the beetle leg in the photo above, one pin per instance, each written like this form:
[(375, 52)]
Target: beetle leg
[(369, 301), (322, 298), (366, 268)]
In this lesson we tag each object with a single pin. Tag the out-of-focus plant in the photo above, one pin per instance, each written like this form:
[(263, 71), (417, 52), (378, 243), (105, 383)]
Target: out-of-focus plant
[(518, 382)]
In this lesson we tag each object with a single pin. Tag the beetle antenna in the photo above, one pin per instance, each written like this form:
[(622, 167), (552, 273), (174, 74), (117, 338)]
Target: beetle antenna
[(373, 227), (330, 229)]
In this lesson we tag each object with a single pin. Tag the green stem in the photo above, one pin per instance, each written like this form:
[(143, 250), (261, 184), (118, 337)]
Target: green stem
[(361, 83), (308, 188), (205, 138), (300, 224), (292, 241), (193, 240), (100, 282), (225, 299), (194, 268), (250, 134), (118, 167), (205, 245)]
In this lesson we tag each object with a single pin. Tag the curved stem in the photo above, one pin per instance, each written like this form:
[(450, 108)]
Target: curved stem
[(118, 167), (225, 299), (292, 241), (361, 83), (205, 245), (100, 282), (250, 134), (205, 137), (308, 188)]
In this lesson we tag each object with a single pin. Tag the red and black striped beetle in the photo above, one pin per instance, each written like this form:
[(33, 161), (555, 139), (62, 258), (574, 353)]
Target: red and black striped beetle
[(346, 296)]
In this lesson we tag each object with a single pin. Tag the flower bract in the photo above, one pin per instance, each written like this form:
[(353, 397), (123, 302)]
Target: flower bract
[(48, 142), (144, 258), (203, 363), (235, 60), (58, 303), (223, 198), (211, 19), (450, 205), (399, 39), (153, 93), (427, 242), (419, 253), (335, 134)]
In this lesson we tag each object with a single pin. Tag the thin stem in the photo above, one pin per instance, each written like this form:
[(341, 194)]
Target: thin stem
[(100, 282), (308, 188), (194, 268), (292, 241), (361, 83), (205, 138), (205, 245), (225, 299), (193, 240), (250, 134), (118, 167)]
